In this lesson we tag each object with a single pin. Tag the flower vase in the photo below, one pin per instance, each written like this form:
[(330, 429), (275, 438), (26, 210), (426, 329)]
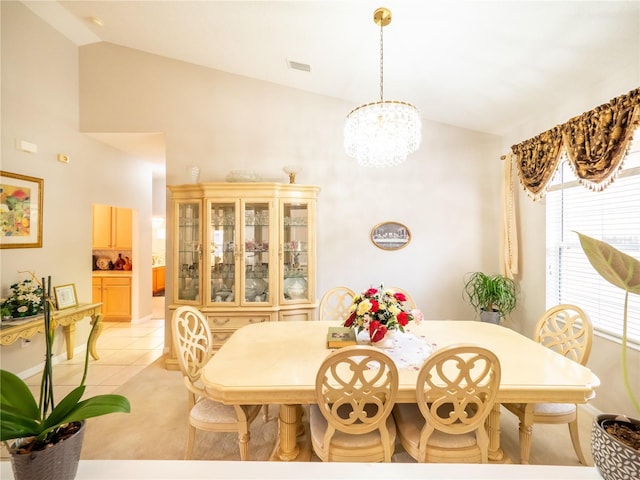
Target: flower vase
[(386, 342)]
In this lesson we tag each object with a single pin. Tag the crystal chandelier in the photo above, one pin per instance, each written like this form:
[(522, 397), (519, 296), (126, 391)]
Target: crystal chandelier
[(382, 133)]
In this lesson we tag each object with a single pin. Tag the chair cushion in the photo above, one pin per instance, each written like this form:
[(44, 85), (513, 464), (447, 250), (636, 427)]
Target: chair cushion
[(207, 410), (409, 422), (318, 426), (553, 408)]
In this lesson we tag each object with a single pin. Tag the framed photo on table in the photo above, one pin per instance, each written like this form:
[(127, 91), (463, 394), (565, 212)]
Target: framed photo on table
[(20, 211), (65, 296)]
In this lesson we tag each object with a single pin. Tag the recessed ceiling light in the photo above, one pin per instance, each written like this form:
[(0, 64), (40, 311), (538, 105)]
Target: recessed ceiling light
[(95, 21)]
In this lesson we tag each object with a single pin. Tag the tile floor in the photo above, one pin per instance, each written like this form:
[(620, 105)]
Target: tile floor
[(125, 349)]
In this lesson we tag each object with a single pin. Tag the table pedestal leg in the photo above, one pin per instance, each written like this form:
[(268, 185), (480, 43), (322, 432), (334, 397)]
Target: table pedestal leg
[(69, 336), (288, 421), (493, 430), (95, 320), (300, 426)]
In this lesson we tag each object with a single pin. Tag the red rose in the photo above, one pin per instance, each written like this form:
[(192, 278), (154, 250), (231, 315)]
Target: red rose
[(20, 195), (403, 318), (377, 331), (371, 292), (349, 321), (375, 306), (401, 297)]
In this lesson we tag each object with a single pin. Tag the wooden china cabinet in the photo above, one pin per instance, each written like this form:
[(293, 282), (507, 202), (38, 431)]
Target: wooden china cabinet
[(244, 253)]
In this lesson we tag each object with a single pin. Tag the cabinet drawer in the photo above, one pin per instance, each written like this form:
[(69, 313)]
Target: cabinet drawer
[(219, 337), (228, 322)]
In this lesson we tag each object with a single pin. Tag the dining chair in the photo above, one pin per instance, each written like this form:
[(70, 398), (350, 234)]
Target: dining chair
[(455, 390), (356, 388), (566, 329), (335, 304), (410, 302), (192, 342)]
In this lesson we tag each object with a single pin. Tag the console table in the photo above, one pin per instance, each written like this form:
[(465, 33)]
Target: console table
[(10, 331)]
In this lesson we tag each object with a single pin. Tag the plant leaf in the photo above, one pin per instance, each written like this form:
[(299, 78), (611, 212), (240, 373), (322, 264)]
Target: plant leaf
[(614, 266), (19, 412), (61, 411), (16, 393), (16, 426), (97, 406)]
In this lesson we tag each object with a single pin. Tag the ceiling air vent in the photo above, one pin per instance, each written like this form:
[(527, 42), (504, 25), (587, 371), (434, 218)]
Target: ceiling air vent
[(299, 66)]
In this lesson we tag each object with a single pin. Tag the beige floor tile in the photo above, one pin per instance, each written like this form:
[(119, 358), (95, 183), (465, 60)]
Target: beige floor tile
[(146, 343), (123, 357), (114, 342), (148, 357)]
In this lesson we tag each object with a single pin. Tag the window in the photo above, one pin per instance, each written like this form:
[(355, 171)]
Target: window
[(612, 215)]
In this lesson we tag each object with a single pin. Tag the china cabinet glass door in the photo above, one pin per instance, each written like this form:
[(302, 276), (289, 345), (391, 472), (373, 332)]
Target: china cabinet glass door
[(223, 252), (256, 256), (295, 267), (189, 249)]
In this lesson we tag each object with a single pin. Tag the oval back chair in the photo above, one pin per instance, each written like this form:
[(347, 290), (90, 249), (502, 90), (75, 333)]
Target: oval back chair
[(192, 342), (356, 388), (565, 329), (335, 304), (456, 391)]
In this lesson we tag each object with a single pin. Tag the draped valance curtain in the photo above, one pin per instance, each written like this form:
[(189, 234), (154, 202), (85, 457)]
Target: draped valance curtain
[(595, 144)]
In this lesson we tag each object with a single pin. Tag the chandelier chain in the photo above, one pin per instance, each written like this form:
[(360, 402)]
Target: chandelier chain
[(381, 61)]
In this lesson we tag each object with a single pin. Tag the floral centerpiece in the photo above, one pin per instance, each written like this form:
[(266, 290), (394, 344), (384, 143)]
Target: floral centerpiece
[(380, 310), (24, 300)]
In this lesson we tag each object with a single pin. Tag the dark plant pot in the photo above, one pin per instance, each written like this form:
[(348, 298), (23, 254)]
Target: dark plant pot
[(614, 459), (59, 462), (490, 317)]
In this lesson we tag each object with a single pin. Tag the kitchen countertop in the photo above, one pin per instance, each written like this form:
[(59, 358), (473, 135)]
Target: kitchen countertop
[(111, 273)]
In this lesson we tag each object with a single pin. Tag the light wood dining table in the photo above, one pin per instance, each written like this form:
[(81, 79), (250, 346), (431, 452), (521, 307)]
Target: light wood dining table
[(277, 362)]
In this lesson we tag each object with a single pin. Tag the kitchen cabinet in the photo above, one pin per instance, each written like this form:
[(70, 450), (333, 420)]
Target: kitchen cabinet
[(244, 253), (158, 275), (114, 291), (112, 228)]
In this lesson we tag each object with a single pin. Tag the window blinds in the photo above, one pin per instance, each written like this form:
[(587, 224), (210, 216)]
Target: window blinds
[(611, 215)]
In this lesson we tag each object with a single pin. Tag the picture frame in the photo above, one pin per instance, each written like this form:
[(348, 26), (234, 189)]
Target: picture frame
[(65, 296), (390, 235), (20, 211)]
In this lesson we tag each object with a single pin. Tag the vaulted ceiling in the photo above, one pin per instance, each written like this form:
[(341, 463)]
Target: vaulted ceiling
[(480, 65)]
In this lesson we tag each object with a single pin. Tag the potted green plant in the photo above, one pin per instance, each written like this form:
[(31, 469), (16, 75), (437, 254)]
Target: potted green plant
[(615, 439), (47, 437), (492, 296)]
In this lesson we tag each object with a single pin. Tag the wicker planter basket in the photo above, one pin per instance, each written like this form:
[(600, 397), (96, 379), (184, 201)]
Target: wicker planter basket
[(614, 459), (59, 462)]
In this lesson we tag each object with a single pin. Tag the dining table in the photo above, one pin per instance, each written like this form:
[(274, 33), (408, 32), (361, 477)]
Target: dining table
[(277, 362)]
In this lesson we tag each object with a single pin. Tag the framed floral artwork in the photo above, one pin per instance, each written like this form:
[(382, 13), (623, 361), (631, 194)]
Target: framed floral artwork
[(390, 236), (20, 211)]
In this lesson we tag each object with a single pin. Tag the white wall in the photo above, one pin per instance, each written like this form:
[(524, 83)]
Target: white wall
[(447, 193), (40, 104)]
